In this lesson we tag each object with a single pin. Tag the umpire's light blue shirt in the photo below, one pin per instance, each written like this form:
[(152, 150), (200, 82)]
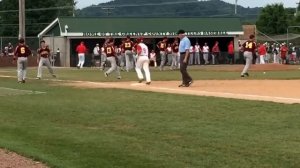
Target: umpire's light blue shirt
[(184, 44)]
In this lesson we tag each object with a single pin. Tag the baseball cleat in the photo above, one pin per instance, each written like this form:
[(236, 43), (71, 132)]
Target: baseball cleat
[(54, 76), (242, 76), (106, 74), (140, 80), (119, 77), (246, 74), (148, 83), (38, 78)]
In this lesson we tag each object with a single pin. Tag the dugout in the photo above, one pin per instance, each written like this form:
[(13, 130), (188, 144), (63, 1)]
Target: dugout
[(66, 33)]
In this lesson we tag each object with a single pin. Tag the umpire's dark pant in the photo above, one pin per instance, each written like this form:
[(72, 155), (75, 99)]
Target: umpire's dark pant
[(186, 78)]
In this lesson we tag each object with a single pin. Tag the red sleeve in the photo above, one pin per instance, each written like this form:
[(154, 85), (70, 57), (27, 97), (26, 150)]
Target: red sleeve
[(139, 49)]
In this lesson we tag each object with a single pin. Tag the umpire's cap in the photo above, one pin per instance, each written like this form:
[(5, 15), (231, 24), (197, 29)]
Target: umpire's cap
[(181, 31)]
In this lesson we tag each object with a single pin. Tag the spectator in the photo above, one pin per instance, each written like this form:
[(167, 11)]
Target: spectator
[(197, 50), (10, 50), (192, 51), (205, 50), (283, 53), (175, 55), (96, 56), (162, 46), (153, 58), (230, 53), (262, 51), (169, 54), (215, 53)]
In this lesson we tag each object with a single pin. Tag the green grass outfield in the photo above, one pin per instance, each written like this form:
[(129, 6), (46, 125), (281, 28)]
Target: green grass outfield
[(69, 127)]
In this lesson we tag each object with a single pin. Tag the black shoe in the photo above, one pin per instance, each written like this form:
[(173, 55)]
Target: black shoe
[(106, 74), (54, 76), (242, 76), (183, 85), (246, 74), (78, 67), (189, 83), (23, 81), (140, 80), (38, 78), (148, 83)]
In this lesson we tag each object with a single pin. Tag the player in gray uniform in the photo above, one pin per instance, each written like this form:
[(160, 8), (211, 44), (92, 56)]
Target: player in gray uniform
[(112, 58), (249, 49), (43, 59), (21, 53)]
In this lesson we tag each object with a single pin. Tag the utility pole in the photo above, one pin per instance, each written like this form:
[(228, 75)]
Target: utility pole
[(22, 19), (235, 11), (108, 10), (297, 8)]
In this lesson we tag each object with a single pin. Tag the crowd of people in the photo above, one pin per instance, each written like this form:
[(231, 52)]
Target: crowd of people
[(277, 53)]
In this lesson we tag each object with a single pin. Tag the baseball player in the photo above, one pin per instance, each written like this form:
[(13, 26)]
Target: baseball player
[(21, 53), (103, 57), (142, 61), (43, 58), (175, 48), (249, 50), (127, 47), (112, 58), (81, 50), (162, 46)]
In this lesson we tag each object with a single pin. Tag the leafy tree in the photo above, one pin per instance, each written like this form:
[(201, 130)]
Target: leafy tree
[(36, 20), (273, 19)]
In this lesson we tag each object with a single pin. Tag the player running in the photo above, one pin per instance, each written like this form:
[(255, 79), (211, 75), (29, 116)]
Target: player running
[(249, 50), (142, 61), (111, 57)]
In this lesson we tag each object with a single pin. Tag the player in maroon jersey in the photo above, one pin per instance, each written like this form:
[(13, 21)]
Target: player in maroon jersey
[(249, 50), (21, 53), (43, 58)]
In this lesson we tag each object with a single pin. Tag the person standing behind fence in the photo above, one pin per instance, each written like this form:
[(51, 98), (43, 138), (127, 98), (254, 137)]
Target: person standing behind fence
[(43, 58), (112, 58), (81, 50), (21, 53), (205, 50), (215, 53), (230, 55), (249, 50), (262, 51), (142, 61), (10, 50), (175, 55), (96, 56), (162, 46), (197, 49), (184, 47), (191, 59)]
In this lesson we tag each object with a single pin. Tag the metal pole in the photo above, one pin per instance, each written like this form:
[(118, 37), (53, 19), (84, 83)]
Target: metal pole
[(21, 18), (235, 7)]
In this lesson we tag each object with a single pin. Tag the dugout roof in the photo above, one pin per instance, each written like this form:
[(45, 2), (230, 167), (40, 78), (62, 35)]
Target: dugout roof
[(148, 27)]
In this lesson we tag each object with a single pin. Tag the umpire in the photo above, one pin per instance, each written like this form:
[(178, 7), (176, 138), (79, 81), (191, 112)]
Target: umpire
[(184, 47)]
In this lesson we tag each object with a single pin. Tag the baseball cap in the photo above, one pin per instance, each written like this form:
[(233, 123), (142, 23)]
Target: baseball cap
[(140, 39), (181, 31)]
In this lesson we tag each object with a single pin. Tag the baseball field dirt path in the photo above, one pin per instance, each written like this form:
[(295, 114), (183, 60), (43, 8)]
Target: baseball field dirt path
[(280, 91)]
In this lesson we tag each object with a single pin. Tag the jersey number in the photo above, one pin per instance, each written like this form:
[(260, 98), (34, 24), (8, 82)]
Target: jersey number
[(22, 49), (127, 45), (249, 45), (108, 50)]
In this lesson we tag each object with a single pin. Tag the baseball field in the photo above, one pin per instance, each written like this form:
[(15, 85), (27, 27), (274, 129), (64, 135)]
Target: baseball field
[(83, 120)]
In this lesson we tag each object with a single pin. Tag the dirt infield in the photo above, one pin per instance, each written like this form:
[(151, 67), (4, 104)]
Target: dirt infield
[(280, 91), (12, 160)]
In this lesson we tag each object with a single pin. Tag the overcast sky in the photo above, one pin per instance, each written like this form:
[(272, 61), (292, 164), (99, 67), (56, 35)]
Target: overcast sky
[(245, 3)]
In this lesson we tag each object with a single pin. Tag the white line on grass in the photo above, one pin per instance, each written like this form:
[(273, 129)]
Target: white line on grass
[(234, 95), (24, 91)]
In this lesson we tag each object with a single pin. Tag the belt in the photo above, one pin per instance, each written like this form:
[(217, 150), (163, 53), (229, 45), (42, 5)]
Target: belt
[(182, 52)]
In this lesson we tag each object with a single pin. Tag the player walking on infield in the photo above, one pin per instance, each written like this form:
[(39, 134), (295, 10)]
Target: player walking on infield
[(21, 53), (43, 58), (162, 46), (112, 58), (249, 50), (184, 47), (142, 61)]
